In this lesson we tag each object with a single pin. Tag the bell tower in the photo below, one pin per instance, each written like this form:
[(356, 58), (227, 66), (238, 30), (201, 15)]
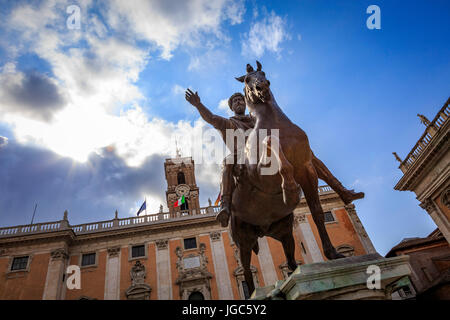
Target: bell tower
[(180, 178)]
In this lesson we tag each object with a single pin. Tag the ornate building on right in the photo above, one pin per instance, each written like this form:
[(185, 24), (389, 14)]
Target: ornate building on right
[(426, 172), (426, 169)]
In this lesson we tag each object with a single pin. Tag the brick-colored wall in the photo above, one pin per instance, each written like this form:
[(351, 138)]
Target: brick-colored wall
[(92, 279), (22, 285), (340, 233)]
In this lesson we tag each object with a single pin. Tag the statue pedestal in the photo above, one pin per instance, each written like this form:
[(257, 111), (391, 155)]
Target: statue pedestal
[(343, 279)]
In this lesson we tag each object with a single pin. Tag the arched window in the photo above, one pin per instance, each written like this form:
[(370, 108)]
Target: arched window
[(180, 178), (196, 296)]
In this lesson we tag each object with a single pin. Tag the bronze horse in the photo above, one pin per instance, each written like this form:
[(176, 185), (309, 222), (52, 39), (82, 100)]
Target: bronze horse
[(263, 204)]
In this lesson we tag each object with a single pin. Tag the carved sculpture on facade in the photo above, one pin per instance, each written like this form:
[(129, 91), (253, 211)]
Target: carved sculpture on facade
[(215, 235), (137, 273), (138, 290), (397, 157), (59, 254), (424, 120), (162, 244), (193, 274), (299, 218), (428, 205), (113, 252)]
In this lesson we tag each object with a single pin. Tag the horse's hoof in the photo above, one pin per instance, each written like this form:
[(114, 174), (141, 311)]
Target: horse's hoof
[(351, 195), (332, 254), (292, 266)]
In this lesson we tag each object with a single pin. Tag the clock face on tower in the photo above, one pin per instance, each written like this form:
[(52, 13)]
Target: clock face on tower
[(182, 190)]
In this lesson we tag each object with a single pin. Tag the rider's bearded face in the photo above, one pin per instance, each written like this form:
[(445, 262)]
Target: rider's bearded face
[(238, 105)]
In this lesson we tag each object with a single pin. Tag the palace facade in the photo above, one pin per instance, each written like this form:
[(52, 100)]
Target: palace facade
[(426, 172), (180, 254)]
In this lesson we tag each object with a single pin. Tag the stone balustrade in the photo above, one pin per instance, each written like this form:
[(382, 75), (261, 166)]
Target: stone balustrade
[(438, 122), (113, 224), (106, 225)]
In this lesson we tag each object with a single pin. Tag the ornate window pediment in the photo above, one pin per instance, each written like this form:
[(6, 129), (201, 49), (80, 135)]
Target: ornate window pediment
[(193, 274), (240, 278)]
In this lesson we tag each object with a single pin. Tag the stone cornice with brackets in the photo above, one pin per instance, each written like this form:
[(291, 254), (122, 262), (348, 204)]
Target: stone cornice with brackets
[(68, 236)]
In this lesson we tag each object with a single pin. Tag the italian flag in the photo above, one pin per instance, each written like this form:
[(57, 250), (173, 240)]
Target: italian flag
[(179, 202)]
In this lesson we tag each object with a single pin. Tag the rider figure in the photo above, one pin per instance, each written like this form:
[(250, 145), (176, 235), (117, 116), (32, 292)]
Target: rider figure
[(239, 121), (242, 121)]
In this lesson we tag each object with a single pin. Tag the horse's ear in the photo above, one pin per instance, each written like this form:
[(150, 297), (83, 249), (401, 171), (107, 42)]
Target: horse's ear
[(249, 68), (240, 79), (258, 65)]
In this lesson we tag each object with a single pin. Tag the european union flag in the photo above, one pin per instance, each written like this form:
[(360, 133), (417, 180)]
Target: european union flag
[(143, 207)]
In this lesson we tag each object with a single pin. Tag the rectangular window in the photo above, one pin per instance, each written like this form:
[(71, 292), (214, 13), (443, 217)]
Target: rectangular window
[(190, 243), (19, 263), (328, 216), (88, 259), (138, 251)]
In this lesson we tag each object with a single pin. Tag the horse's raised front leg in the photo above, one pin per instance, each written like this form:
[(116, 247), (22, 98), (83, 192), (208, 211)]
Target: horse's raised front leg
[(291, 190), (306, 175)]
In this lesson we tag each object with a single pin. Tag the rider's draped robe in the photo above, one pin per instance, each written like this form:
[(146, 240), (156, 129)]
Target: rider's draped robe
[(243, 122)]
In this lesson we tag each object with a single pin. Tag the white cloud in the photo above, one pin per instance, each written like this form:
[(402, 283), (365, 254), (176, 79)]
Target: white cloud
[(178, 90), (209, 61), (235, 11), (3, 141), (265, 35), (223, 106), (169, 24), (97, 69)]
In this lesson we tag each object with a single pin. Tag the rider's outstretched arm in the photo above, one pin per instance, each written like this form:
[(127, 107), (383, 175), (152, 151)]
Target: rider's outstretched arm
[(216, 121)]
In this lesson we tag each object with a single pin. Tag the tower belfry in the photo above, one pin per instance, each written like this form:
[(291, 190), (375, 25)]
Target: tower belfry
[(180, 176)]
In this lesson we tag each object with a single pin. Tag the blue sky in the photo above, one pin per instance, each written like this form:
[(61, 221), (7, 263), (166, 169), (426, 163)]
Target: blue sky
[(87, 115)]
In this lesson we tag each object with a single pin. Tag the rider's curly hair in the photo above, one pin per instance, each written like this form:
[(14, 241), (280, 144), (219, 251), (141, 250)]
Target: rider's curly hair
[(230, 100)]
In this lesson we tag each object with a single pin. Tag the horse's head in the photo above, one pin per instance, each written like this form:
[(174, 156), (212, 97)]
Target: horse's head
[(257, 87)]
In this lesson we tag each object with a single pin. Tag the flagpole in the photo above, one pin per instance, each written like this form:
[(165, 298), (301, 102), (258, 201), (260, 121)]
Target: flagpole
[(145, 205), (33, 213)]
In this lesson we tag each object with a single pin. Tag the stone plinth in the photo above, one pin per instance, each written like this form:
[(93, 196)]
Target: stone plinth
[(342, 279)]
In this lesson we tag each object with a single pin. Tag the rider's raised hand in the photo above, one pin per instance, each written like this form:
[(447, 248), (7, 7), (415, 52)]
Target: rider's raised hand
[(192, 97)]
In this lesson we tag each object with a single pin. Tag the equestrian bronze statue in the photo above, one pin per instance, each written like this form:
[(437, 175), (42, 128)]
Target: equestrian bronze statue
[(263, 204)]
